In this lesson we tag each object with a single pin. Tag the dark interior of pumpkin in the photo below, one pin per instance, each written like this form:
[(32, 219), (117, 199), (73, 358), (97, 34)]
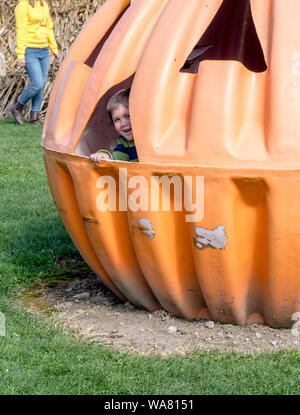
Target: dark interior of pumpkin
[(230, 36), (100, 132)]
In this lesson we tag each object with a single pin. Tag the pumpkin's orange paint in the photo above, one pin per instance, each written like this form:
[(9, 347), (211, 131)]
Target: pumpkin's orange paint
[(236, 127)]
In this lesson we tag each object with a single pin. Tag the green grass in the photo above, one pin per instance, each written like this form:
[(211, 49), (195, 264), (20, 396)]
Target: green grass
[(37, 358)]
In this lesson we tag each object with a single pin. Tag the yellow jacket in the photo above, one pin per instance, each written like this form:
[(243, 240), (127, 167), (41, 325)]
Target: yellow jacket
[(34, 27)]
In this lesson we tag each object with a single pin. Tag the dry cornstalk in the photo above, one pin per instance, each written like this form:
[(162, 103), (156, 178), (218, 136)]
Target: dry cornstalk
[(68, 18)]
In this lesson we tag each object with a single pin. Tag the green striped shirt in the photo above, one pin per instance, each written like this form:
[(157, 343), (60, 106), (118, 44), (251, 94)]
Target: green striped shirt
[(125, 150)]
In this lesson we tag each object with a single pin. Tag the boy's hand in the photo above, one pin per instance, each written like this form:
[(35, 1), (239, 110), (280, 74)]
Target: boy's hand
[(97, 157)]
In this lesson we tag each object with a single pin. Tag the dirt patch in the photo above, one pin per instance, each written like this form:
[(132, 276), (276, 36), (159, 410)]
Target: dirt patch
[(85, 307)]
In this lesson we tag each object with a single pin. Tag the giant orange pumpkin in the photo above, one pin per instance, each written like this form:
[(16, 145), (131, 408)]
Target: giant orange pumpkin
[(215, 94)]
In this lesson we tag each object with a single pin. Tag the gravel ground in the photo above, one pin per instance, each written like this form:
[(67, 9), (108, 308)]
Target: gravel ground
[(86, 308)]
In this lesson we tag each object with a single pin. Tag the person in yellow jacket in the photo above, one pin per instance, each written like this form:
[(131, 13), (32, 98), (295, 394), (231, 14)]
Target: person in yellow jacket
[(34, 36)]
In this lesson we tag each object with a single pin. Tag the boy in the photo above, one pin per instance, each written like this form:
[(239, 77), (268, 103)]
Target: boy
[(118, 110)]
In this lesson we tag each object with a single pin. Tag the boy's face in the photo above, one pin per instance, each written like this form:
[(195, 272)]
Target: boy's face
[(121, 120)]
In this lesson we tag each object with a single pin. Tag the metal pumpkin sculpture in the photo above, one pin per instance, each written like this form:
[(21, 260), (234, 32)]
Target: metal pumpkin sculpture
[(214, 107)]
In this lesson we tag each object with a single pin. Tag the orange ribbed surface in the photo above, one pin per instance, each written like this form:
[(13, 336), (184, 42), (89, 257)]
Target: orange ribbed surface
[(235, 127)]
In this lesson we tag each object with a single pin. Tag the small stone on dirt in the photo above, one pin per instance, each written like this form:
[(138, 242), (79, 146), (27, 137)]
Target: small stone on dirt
[(129, 305), (258, 335), (210, 324), (229, 335), (81, 296), (172, 330)]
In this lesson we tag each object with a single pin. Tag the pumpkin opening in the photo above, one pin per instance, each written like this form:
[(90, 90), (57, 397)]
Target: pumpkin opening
[(230, 36), (99, 132)]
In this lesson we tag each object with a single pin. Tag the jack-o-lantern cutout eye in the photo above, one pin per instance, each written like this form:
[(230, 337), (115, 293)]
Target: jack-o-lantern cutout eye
[(230, 36)]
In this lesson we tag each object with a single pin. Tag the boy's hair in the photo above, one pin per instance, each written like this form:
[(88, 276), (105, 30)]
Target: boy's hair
[(120, 98)]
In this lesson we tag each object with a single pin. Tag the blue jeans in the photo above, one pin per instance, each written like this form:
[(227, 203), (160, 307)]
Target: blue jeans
[(37, 67)]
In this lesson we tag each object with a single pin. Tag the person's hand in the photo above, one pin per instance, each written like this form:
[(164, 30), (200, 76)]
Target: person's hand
[(21, 62), (58, 57), (97, 157)]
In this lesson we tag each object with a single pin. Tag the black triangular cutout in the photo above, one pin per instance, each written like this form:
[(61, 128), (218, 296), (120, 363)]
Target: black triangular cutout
[(230, 36)]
